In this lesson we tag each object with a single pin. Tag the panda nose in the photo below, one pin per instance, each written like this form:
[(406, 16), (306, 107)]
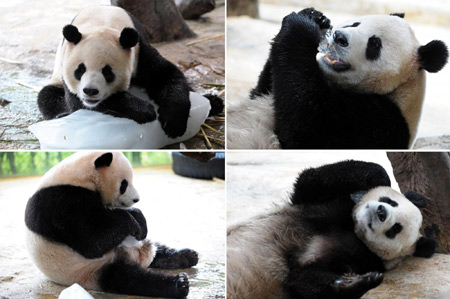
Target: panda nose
[(135, 200), (340, 38), (90, 91), (381, 212)]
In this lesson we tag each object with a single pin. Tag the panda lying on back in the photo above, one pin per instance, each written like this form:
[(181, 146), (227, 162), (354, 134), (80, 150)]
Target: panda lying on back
[(105, 50), (322, 244), (365, 88), (82, 229)]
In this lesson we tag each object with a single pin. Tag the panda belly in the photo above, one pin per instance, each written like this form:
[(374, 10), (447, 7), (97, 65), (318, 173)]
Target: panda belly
[(63, 265)]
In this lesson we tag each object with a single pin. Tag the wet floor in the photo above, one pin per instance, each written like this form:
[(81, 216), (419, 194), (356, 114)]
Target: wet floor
[(180, 212), (29, 34)]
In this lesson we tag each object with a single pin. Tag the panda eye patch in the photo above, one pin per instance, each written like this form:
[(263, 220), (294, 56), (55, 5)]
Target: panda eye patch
[(373, 49), (356, 24), (108, 74), (123, 186), (388, 201), (393, 231), (81, 69)]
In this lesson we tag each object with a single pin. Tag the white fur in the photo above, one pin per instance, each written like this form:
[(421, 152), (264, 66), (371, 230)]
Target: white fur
[(250, 124), (406, 213)]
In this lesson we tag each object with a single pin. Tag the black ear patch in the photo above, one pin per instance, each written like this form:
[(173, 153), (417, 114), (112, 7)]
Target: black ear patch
[(104, 160), (394, 230), (373, 49), (433, 56), (356, 24), (398, 14), (425, 247), (128, 38), (72, 34), (418, 200)]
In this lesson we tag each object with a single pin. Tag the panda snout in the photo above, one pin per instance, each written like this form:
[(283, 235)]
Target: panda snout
[(382, 213), (135, 200), (91, 91), (340, 38)]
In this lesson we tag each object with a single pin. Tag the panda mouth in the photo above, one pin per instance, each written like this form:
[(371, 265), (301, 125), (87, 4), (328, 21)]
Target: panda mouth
[(92, 101), (335, 63)]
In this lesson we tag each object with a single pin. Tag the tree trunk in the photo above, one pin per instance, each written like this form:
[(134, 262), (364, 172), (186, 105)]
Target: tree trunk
[(161, 19), (193, 9), (33, 162), (136, 158), (243, 7), (429, 175), (12, 163)]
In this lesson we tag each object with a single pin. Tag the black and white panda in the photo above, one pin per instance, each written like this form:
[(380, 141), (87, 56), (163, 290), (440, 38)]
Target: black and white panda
[(322, 244), (82, 229), (363, 89), (104, 52)]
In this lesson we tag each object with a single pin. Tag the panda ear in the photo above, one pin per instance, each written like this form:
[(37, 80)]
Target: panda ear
[(72, 34), (128, 38), (356, 197), (425, 247), (104, 160), (418, 200), (433, 56), (398, 14)]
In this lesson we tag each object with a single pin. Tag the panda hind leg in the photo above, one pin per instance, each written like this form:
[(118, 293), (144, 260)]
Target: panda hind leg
[(124, 276), (352, 285), (51, 102), (169, 258)]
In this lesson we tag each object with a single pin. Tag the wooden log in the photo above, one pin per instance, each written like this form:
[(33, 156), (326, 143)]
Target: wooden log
[(427, 173), (243, 7), (193, 9), (161, 19)]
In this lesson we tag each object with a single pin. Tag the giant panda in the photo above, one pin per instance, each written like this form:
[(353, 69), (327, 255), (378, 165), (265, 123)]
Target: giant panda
[(82, 228), (343, 227), (360, 86), (104, 52)]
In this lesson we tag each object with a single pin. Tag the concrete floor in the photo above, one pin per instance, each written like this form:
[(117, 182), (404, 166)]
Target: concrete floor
[(258, 181), (247, 51), (168, 201)]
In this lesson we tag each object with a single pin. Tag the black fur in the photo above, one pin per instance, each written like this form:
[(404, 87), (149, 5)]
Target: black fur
[(264, 85), (71, 34), (394, 230), (216, 103), (389, 201), (312, 112), (123, 186), (128, 38), (433, 56), (51, 101), (373, 49), (79, 72), (356, 24), (425, 247), (108, 73), (417, 199), (125, 277), (398, 14), (103, 161), (75, 216), (169, 258), (348, 269)]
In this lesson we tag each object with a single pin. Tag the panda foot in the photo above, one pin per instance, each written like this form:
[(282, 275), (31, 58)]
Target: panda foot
[(181, 285), (317, 16), (188, 258), (179, 259), (354, 285)]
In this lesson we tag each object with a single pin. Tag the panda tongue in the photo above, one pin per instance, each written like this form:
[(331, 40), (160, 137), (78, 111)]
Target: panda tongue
[(331, 60)]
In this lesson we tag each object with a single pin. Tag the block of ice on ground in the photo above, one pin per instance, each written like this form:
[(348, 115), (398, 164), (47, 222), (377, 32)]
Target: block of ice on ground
[(85, 129), (75, 291)]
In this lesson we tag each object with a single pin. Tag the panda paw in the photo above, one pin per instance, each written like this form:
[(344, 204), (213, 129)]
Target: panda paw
[(188, 258), (173, 126), (318, 17), (181, 285), (354, 285)]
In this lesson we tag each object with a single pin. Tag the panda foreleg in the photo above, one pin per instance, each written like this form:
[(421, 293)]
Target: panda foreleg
[(51, 101), (124, 276), (169, 258), (264, 85), (339, 179), (126, 105), (139, 217)]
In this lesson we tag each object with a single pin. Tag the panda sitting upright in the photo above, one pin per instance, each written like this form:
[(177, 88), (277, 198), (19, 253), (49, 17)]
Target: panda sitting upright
[(322, 244), (82, 229), (104, 51), (364, 89)]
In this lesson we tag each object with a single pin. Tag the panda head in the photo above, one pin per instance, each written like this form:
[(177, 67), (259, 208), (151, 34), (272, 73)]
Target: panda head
[(109, 173), (99, 63), (388, 222), (377, 53)]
